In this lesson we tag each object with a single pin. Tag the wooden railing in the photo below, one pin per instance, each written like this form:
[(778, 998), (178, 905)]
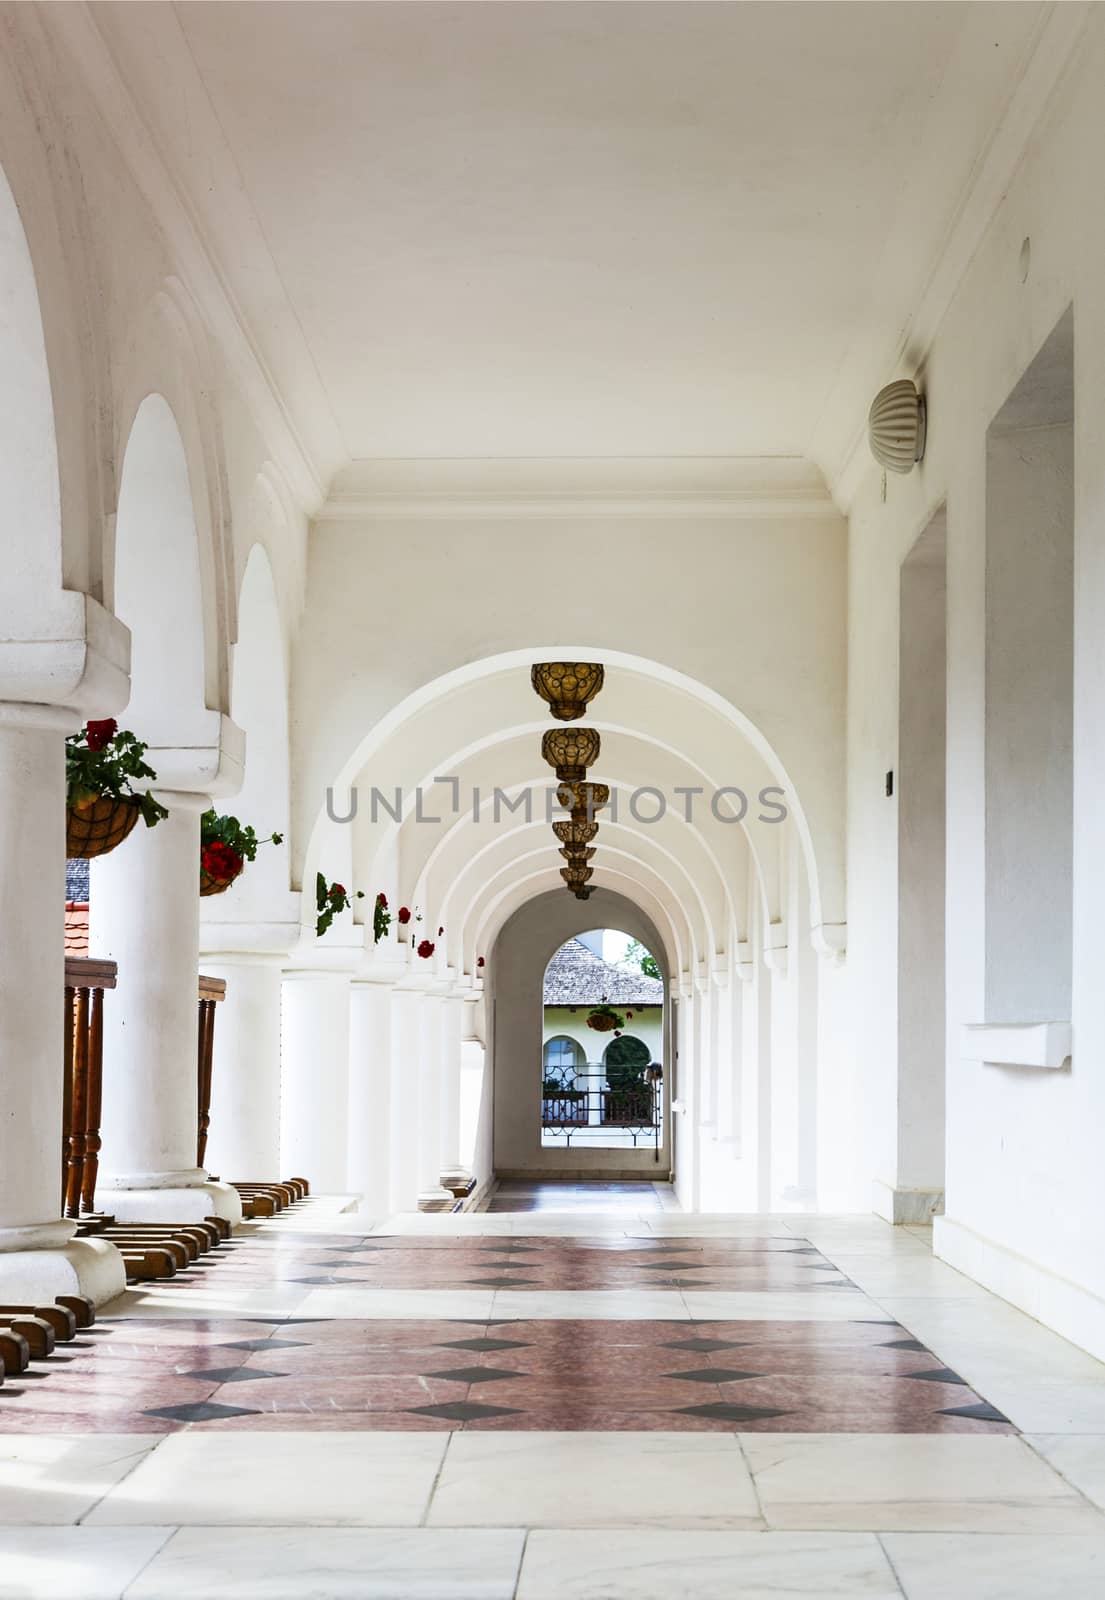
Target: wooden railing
[(212, 990), (85, 982)]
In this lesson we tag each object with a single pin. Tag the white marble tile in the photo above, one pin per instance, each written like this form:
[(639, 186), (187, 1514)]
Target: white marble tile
[(163, 1301), (908, 1272), (94, 1563), (338, 1563), (783, 1305), (657, 1564), (1011, 1566), (274, 1479), (57, 1477), (402, 1304), (1079, 1457), (945, 1482), (605, 1480), (1042, 1383), (619, 1305)]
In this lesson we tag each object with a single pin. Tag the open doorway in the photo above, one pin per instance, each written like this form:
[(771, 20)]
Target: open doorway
[(602, 1024), (570, 1099)]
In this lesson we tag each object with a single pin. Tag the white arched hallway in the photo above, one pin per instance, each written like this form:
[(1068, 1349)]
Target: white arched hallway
[(361, 368)]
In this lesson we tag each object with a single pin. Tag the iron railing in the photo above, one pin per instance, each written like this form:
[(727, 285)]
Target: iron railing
[(580, 1103)]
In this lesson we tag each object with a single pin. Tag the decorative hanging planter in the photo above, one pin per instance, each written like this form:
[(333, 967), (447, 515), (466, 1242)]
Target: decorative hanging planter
[(330, 900), (225, 847), (604, 1019), (101, 806), (219, 868), (97, 826), (567, 686)]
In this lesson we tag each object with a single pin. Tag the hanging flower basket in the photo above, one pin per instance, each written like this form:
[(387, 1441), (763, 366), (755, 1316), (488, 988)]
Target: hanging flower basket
[(102, 808), (604, 1019), (219, 867), (330, 900), (225, 847), (97, 826)]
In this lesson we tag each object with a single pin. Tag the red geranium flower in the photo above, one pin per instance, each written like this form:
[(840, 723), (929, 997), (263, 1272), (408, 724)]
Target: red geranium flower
[(426, 949), (404, 914), (479, 961), (337, 891), (382, 900), (99, 734), (220, 861)]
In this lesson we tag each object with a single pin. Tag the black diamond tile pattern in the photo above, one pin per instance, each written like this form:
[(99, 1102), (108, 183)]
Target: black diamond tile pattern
[(485, 1347), (983, 1412), (474, 1374), (200, 1411), (703, 1346), (937, 1375), (463, 1411), (906, 1344), (232, 1374), (713, 1375), (502, 1283), (726, 1411), (265, 1344)]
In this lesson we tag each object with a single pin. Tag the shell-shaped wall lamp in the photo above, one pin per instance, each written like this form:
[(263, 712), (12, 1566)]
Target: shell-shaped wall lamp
[(896, 426)]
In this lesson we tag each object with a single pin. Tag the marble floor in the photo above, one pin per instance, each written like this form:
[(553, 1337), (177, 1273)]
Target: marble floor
[(578, 1392)]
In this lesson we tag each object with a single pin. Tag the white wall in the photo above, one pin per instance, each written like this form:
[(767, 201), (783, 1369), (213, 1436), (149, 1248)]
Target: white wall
[(1025, 1185)]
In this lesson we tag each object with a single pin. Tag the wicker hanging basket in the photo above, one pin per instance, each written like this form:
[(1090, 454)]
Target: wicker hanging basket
[(210, 885), (97, 827), (603, 1021)]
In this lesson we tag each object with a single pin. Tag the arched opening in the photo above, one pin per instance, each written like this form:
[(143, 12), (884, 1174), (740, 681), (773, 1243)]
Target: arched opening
[(28, 451), (602, 985), (562, 991), (158, 589)]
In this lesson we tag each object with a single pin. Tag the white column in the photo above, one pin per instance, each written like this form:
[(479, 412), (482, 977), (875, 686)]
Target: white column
[(403, 1099), (431, 1195), (39, 1258), (314, 1078), (452, 1021), (145, 916), (369, 1129), (244, 1140)]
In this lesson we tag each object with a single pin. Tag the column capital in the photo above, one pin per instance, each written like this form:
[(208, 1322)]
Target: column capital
[(77, 655), (208, 761)]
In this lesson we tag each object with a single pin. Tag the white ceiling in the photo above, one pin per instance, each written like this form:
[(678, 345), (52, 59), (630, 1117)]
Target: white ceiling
[(571, 229)]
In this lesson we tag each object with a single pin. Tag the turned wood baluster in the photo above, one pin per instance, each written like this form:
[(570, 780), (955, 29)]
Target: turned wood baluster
[(68, 1025), (78, 1104), (205, 1052), (94, 1103)]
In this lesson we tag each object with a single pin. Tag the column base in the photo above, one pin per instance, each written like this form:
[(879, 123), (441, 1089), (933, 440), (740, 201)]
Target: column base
[(184, 1203), (906, 1207), (92, 1267), (458, 1180), (436, 1199)]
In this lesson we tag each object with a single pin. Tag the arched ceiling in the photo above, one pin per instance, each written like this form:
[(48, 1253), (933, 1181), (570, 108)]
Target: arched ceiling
[(475, 803)]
